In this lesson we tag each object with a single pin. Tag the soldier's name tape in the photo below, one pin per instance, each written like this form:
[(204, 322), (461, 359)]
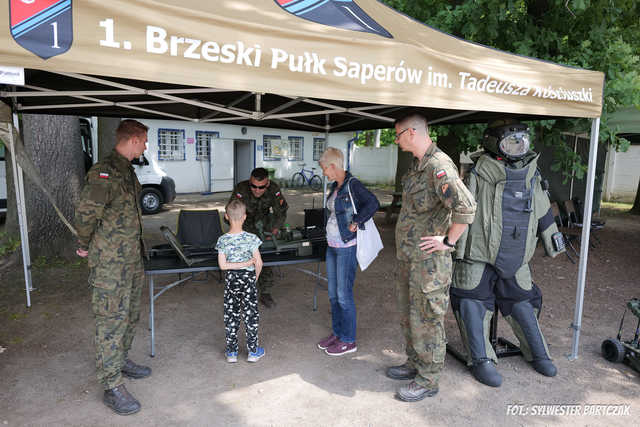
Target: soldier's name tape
[(572, 410)]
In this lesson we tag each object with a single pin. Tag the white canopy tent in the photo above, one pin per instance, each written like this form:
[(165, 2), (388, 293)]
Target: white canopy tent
[(320, 65)]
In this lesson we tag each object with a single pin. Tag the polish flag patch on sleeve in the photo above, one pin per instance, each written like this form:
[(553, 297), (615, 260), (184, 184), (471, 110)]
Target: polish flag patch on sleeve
[(441, 174), (104, 175), (239, 196)]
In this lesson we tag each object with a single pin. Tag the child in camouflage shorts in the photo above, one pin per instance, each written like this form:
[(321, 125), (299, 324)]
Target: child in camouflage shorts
[(239, 257)]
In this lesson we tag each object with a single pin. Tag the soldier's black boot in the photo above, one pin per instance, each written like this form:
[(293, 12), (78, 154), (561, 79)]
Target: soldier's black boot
[(473, 321), (402, 372), (119, 399), (531, 340), (135, 371), (414, 392)]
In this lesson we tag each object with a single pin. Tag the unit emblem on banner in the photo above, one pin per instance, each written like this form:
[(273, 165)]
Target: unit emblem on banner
[(44, 27), (345, 14)]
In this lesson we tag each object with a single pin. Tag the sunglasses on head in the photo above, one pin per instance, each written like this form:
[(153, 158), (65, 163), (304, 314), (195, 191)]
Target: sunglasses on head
[(258, 187)]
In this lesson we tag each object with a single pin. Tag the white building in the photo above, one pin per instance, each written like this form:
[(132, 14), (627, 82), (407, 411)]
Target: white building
[(181, 149)]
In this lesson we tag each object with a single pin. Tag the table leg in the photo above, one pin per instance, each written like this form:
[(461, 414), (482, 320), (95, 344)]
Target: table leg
[(151, 314), (315, 288)]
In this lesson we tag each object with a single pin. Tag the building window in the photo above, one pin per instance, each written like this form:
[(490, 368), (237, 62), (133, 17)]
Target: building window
[(203, 144), (271, 147), (171, 144), (319, 145), (296, 148)]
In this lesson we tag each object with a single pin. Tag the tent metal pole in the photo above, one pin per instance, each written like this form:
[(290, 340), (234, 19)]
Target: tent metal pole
[(326, 144), (584, 240), (22, 217)]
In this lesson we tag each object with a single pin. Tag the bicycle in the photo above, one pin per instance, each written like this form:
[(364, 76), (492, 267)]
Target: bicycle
[(306, 176)]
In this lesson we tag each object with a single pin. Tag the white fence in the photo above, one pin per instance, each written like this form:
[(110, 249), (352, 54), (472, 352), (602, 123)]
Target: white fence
[(622, 174), (374, 165)]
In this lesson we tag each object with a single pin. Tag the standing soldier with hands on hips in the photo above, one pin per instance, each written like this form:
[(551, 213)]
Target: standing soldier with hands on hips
[(266, 214), (109, 223), (436, 209)]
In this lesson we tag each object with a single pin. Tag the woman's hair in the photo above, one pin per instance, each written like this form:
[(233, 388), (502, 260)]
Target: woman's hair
[(332, 156), (235, 209)]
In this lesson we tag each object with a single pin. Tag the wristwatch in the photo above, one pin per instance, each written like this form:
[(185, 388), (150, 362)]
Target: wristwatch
[(446, 242)]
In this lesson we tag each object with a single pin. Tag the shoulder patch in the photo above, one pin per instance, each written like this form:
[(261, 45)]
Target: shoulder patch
[(277, 193), (104, 175), (441, 173), (239, 196)]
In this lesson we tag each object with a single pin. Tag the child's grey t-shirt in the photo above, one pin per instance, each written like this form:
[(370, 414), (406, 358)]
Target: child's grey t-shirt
[(238, 247)]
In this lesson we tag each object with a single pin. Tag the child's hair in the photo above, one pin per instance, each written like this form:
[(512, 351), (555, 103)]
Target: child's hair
[(235, 209)]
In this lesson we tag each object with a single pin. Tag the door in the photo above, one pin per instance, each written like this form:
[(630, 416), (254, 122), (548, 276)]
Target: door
[(222, 164), (244, 159)]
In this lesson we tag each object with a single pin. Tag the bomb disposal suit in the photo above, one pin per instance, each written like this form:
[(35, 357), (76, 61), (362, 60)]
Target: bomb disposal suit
[(492, 256)]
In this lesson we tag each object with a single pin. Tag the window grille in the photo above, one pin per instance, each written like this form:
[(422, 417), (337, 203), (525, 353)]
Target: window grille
[(319, 145), (271, 147), (203, 144), (296, 146), (171, 144)]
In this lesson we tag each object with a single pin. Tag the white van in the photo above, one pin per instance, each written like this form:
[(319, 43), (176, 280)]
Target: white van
[(157, 186), (3, 182)]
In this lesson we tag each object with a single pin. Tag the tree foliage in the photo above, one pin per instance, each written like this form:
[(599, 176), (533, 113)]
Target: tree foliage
[(602, 35)]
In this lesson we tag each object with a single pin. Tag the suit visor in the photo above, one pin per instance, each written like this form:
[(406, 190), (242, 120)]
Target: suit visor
[(515, 145)]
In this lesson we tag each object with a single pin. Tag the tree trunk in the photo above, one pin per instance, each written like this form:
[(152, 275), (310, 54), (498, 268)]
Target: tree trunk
[(53, 144), (106, 135), (11, 220), (635, 210)]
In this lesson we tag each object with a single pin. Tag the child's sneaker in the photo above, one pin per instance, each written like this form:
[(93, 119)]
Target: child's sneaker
[(339, 348), (255, 356), (232, 356)]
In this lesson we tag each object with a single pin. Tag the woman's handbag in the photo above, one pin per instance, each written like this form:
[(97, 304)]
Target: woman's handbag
[(368, 240)]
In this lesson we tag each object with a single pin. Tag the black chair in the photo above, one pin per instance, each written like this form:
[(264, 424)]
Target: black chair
[(197, 234), (199, 229), (569, 234), (575, 221)]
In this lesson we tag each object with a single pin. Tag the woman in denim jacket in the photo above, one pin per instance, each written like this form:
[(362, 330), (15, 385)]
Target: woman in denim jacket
[(341, 228)]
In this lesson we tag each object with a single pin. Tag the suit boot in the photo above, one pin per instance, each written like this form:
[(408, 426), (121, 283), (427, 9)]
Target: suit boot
[(119, 399), (474, 323), (525, 325), (485, 372)]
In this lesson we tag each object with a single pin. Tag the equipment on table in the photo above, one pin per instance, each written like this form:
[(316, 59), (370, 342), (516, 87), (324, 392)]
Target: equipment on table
[(295, 241), (298, 240), (615, 350)]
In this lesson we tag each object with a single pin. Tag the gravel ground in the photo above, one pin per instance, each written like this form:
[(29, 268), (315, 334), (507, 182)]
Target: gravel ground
[(47, 368)]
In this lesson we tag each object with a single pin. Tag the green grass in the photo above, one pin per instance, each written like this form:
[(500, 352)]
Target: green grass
[(616, 207), (8, 244)]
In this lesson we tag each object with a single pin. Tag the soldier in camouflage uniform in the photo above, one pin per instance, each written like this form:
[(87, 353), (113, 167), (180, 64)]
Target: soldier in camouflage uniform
[(436, 209), (109, 224), (266, 213)]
